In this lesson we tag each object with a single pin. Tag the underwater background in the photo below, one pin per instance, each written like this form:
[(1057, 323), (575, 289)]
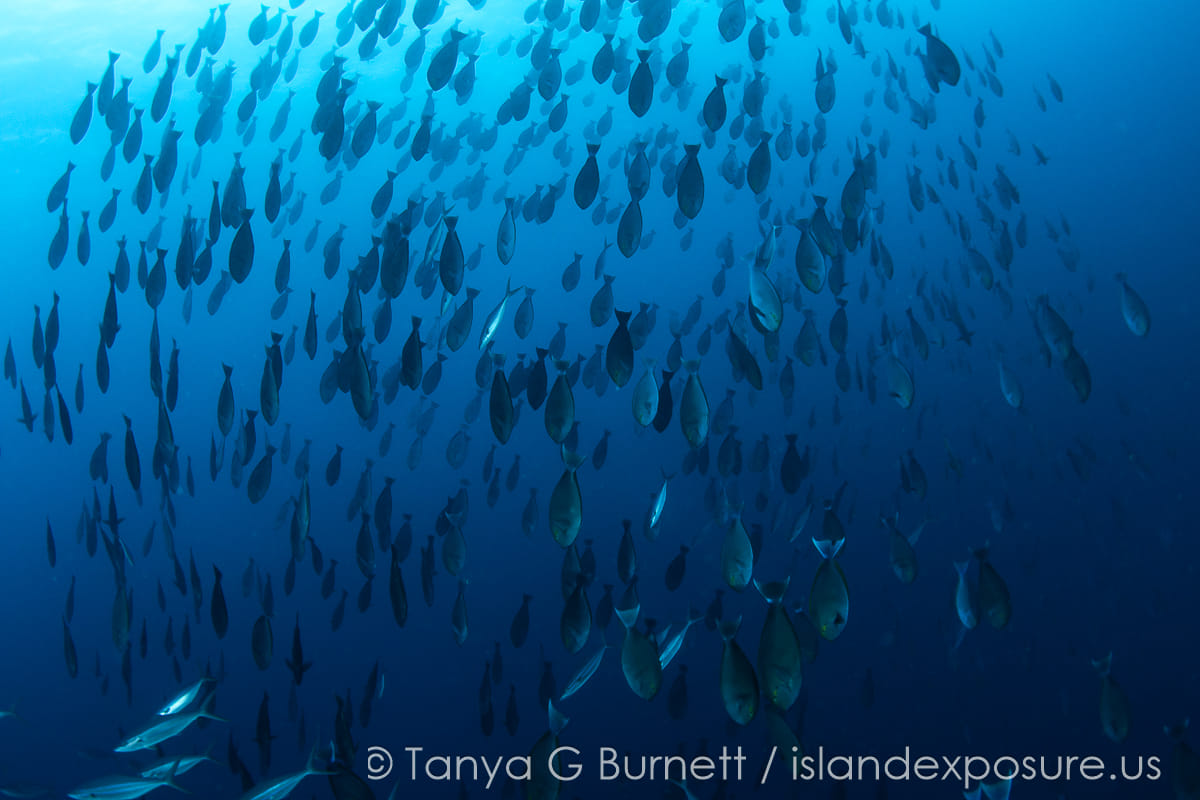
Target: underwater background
[(1026, 419)]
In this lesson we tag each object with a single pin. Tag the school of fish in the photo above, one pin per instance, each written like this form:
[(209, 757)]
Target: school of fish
[(221, 183)]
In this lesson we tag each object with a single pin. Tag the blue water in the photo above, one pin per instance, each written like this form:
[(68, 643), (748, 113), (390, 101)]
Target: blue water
[(1097, 558)]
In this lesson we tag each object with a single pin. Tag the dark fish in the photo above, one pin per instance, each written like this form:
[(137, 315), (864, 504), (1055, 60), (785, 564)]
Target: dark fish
[(133, 465), (676, 569), (518, 630), (83, 115), (618, 360), (500, 405), (220, 614), (689, 193), (451, 265), (587, 181), (629, 229), (944, 64), (262, 642), (241, 252), (70, 654), (64, 417)]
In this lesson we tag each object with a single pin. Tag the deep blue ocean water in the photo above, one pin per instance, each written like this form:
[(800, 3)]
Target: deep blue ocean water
[(1095, 549)]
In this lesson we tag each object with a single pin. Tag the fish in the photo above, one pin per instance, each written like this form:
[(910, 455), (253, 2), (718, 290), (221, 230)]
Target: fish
[(829, 597), (123, 788), (491, 323), (944, 63), (639, 658), (739, 684), (584, 674), (737, 556), (674, 644), (278, 788), (780, 654), (184, 699), (660, 501), (965, 597), (159, 731), (902, 555), (995, 602), (1133, 308)]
